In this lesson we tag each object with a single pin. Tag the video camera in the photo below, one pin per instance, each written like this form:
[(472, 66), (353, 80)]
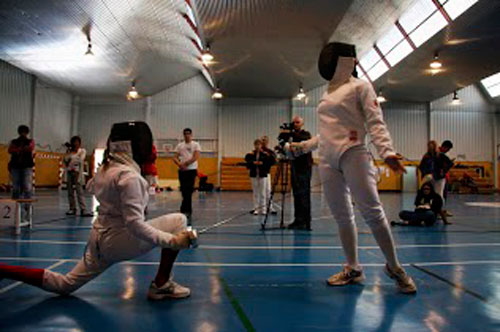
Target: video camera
[(285, 136)]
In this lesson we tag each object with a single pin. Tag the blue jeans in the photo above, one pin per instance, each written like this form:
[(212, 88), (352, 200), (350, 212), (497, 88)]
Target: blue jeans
[(22, 185)]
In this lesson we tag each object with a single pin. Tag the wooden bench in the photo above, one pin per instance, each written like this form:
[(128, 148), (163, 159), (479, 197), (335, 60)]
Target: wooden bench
[(11, 212)]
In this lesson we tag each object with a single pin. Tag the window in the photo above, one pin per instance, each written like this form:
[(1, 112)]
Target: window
[(390, 40), (455, 8), (492, 85), (370, 59), (428, 29), (416, 14), (399, 53), (378, 70)]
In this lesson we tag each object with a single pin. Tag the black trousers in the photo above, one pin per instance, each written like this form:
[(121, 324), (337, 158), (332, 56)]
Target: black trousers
[(301, 187), (415, 218), (186, 178)]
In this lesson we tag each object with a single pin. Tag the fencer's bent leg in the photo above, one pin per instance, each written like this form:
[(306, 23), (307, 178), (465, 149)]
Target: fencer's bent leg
[(360, 175), (339, 201)]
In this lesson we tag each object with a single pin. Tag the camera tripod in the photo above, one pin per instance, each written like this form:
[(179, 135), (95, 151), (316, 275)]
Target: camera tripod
[(281, 176)]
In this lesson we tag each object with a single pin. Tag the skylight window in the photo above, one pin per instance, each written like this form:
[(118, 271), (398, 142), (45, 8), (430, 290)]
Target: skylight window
[(378, 70), (455, 8), (492, 85), (428, 29), (370, 59), (416, 14), (190, 14), (399, 53), (390, 40)]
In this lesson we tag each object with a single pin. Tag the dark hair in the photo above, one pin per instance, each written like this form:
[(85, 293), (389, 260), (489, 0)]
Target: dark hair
[(187, 130), (447, 144), (427, 184), (23, 129), (76, 138)]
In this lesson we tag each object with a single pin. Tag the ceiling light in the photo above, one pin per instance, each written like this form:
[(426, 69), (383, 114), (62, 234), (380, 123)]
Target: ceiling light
[(380, 97), (301, 95), (207, 57), (455, 100), (132, 93), (436, 64), (89, 49), (217, 94)]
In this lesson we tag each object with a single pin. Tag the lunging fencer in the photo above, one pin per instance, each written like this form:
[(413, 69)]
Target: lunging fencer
[(348, 111), (120, 232)]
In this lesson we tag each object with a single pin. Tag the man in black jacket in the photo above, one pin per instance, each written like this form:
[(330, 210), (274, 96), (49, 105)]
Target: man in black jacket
[(301, 179), (258, 163)]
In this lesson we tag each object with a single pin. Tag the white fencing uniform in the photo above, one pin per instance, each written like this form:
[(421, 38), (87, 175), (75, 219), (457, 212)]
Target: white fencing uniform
[(345, 116), (120, 232)]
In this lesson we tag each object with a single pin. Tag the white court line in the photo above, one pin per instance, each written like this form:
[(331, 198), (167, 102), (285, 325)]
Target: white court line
[(218, 247), (216, 264), (19, 283)]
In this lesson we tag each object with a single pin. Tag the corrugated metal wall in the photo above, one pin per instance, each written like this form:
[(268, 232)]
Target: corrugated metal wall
[(97, 116), (52, 117), (470, 125), (243, 120), (15, 100), (407, 123), (188, 104)]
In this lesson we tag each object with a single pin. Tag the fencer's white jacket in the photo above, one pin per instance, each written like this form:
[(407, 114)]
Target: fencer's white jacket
[(345, 117), (123, 196)]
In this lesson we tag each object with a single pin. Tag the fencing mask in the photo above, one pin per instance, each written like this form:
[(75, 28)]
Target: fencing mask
[(331, 58), (134, 138)]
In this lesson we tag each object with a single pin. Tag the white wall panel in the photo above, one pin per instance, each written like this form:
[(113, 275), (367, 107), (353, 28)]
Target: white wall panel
[(53, 109), (470, 125), (407, 123), (243, 120), (96, 118), (188, 104), (470, 132), (15, 100), (472, 99)]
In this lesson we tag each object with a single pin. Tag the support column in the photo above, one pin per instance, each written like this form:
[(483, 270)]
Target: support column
[(148, 109), (75, 113), (218, 104), (496, 147), (33, 105), (428, 122)]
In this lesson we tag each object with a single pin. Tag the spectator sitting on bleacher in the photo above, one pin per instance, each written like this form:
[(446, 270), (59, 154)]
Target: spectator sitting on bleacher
[(428, 205)]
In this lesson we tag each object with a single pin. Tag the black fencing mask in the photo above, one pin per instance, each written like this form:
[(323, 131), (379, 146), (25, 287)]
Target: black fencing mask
[(132, 137), (328, 59)]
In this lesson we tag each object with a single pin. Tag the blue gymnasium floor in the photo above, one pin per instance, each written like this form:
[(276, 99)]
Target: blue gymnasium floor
[(243, 279)]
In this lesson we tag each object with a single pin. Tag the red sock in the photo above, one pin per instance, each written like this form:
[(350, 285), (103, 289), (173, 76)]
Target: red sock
[(27, 275)]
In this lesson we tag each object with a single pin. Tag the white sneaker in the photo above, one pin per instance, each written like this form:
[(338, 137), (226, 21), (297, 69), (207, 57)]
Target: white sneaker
[(170, 289), (255, 212)]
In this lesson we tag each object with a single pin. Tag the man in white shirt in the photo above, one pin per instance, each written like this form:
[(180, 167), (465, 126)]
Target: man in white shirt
[(74, 161), (186, 158)]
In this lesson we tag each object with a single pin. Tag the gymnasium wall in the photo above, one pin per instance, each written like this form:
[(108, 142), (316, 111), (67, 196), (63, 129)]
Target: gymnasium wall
[(96, 116)]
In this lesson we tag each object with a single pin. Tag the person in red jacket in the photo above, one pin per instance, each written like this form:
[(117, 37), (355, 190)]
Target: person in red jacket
[(149, 170)]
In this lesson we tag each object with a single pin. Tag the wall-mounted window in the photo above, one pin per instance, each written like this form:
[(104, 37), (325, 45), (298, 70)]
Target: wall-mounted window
[(492, 85)]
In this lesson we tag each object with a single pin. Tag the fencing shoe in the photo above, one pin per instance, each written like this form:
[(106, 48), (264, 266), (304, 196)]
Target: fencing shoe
[(345, 277), (170, 289)]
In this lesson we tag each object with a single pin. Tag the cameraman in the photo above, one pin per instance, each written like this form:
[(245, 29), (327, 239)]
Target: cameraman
[(74, 161), (301, 179)]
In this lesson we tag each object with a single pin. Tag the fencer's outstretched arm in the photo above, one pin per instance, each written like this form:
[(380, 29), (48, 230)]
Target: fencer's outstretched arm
[(131, 205), (304, 147), (375, 121)]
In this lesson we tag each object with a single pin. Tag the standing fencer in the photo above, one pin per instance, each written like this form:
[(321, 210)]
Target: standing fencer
[(347, 110), (120, 232)]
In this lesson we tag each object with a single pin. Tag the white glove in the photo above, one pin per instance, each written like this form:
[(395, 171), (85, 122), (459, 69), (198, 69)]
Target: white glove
[(183, 239)]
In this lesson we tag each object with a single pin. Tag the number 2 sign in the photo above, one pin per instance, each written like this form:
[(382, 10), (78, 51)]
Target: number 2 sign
[(7, 211)]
